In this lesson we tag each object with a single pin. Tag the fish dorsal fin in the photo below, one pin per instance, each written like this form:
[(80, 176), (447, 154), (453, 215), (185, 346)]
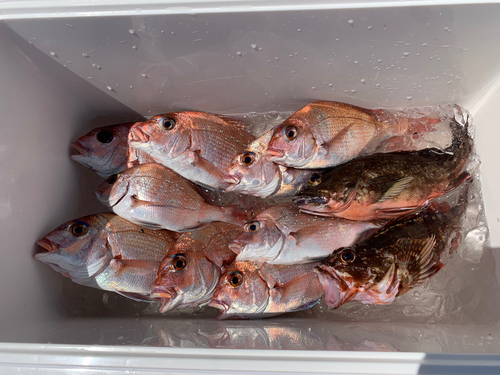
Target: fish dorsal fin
[(416, 256), (240, 125)]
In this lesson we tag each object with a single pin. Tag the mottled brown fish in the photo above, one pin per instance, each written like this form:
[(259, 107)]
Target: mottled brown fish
[(249, 290), (324, 134), (197, 145), (191, 268), (107, 252), (386, 186), (156, 197), (394, 260)]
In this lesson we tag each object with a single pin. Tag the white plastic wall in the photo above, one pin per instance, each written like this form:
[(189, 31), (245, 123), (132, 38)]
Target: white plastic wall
[(56, 74)]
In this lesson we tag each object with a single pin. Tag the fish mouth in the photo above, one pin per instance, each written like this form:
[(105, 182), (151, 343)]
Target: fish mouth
[(166, 296), (218, 304), (137, 136), (231, 179), (274, 154), (81, 149), (235, 247), (46, 246), (310, 200), (331, 285)]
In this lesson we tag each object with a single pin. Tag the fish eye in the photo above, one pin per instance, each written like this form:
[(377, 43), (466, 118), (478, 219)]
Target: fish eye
[(178, 262), (315, 179), (166, 123), (112, 179), (105, 136), (235, 279), (247, 158), (79, 230), (347, 256), (290, 132), (253, 226)]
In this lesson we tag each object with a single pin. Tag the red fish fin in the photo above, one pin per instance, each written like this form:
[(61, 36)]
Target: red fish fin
[(233, 215), (268, 278), (135, 296), (417, 256), (202, 163), (120, 265), (397, 212), (464, 176), (237, 123), (305, 288)]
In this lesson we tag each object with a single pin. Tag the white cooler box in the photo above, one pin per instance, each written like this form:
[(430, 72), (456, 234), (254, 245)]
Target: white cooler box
[(63, 64)]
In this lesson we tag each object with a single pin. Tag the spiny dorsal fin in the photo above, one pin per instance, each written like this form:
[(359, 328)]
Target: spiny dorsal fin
[(234, 121), (396, 188), (416, 256)]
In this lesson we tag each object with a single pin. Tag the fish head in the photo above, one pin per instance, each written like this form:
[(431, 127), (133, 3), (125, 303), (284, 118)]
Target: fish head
[(352, 270), (104, 150), (241, 293), (294, 180), (78, 248), (292, 144), (163, 137), (103, 191), (185, 278), (252, 173), (260, 239)]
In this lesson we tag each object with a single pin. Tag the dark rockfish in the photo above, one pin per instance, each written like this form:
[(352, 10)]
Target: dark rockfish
[(385, 186), (396, 259)]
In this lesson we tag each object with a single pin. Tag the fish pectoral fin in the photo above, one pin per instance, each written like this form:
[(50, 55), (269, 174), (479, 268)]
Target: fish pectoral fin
[(268, 278), (200, 162), (396, 189), (120, 265), (135, 296), (417, 256), (395, 212)]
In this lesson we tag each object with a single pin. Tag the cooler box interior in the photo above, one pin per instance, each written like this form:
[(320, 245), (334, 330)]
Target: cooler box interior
[(65, 69)]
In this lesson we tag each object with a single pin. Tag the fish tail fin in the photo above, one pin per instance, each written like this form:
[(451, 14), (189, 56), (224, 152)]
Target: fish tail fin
[(418, 258), (233, 215)]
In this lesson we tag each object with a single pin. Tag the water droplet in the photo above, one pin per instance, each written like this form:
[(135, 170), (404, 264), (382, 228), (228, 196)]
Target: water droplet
[(239, 53), (337, 39), (119, 338), (351, 22), (172, 33), (409, 97), (144, 75), (134, 47), (260, 48), (305, 59), (299, 30), (314, 87), (369, 27), (276, 58), (416, 294), (254, 46), (53, 54), (131, 31), (293, 71), (406, 53), (94, 65), (109, 88), (378, 84), (90, 77), (363, 80), (163, 31), (122, 41), (424, 44), (353, 91), (355, 62), (330, 84)]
